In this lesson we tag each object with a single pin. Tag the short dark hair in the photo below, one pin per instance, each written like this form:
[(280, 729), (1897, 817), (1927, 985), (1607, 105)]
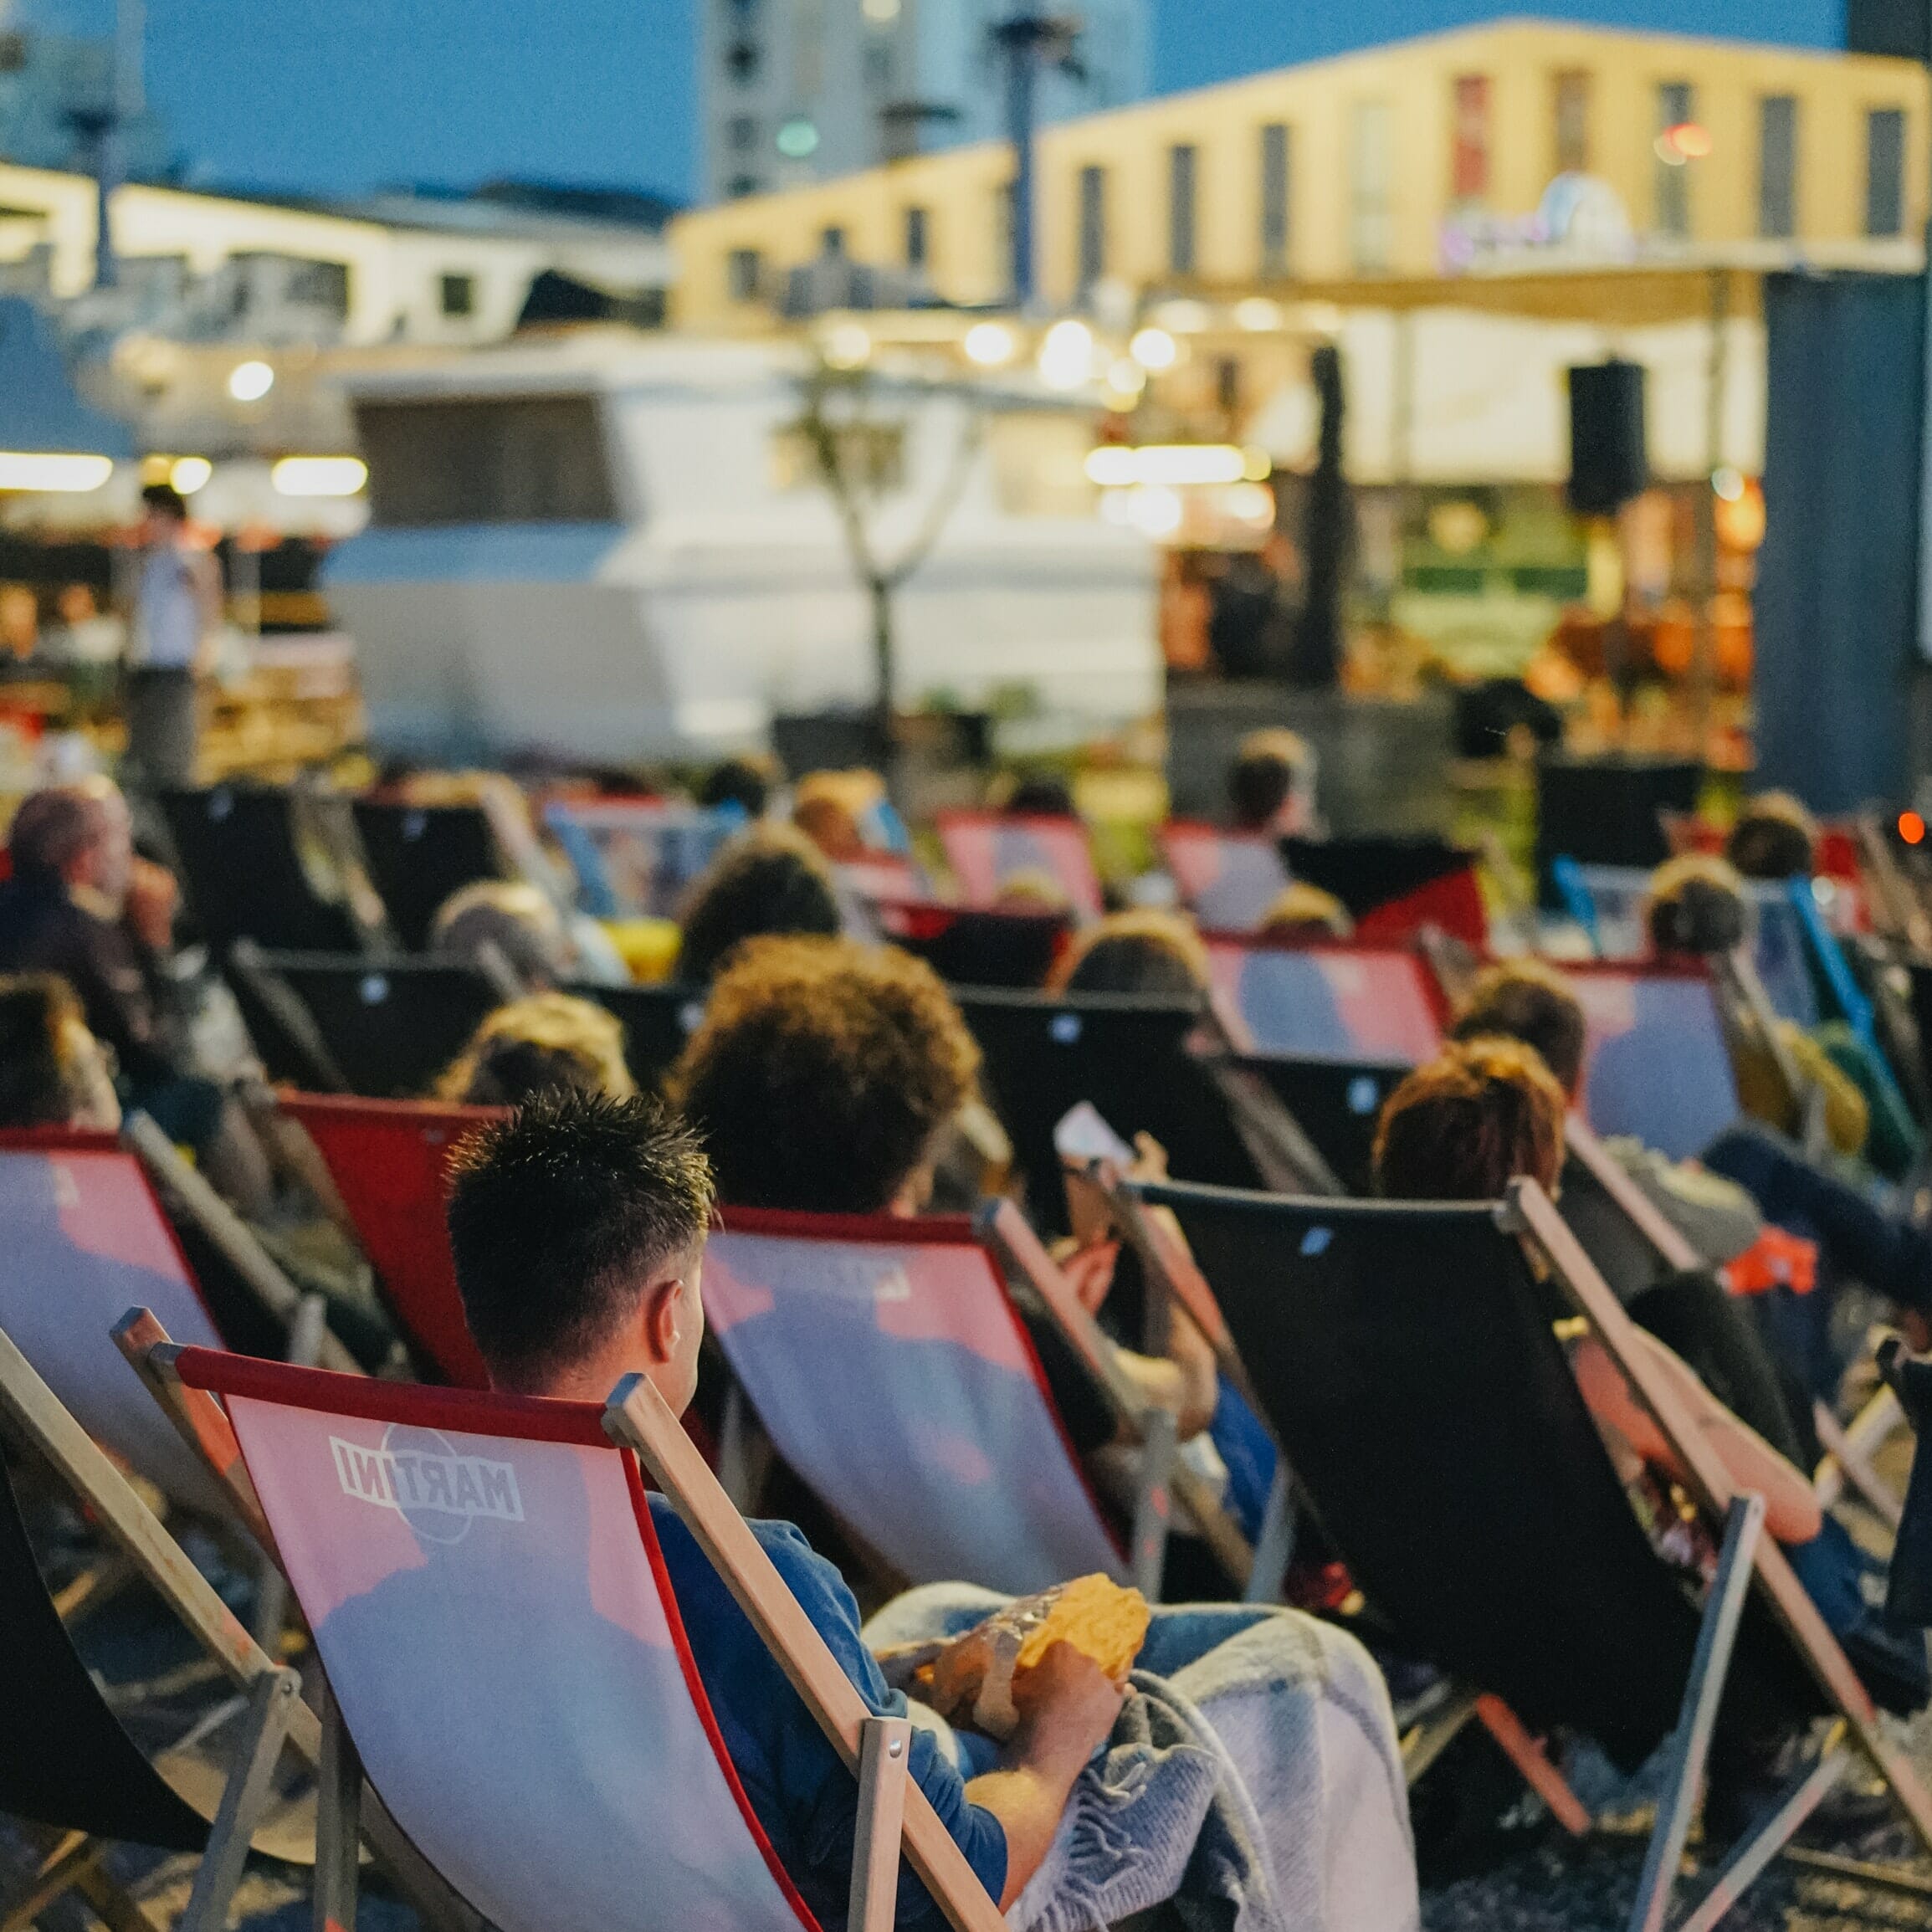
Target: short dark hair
[(823, 1072), (770, 879), (1774, 838), (165, 499), (1041, 795), (1526, 999), (1465, 1125), (558, 1214), (1697, 905), (37, 1086), (745, 781), (1267, 767)]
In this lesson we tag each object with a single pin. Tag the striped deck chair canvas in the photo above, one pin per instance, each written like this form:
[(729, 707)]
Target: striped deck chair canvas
[(634, 857), (1227, 879), (484, 1582), (387, 1158), (85, 1240), (986, 850), (1655, 1064), (1368, 1004), (885, 1360)]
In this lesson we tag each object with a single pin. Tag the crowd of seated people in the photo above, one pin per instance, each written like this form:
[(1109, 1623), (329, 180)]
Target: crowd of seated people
[(830, 1073)]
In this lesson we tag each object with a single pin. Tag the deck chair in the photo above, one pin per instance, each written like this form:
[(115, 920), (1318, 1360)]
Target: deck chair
[(388, 1027), (886, 1362), (387, 1158), (1393, 887), (508, 1666), (984, 849), (66, 1763), (242, 856), (975, 946), (1336, 1104), (1328, 1001), (1655, 1061), (419, 855), (657, 1021), (1607, 902), (1229, 880), (1405, 1355), (1129, 1057), (633, 858), (1909, 1596)]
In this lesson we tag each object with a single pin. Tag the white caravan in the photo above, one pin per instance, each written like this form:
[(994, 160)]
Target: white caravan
[(610, 547)]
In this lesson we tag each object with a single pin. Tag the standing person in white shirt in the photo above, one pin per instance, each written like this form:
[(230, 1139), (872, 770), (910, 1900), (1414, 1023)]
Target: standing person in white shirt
[(176, 617)]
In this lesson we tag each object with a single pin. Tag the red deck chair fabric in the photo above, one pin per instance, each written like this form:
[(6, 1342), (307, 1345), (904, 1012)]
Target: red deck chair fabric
[(488, 1598), (1452, 902), (885, 1360), (1367, 1004), (85, 1240), (1227, 879), (986, 849), (387, 1158)]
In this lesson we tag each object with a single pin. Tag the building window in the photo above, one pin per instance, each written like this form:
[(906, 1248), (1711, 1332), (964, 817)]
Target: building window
[(1676, 104), (1181, 181), (742, 133), (832, 243), (456, 293), (1569, 116), (918, 232), (741, 61), (1369, 171), (1885, 171), (1276, 178), (1093, 226), (1469, 139), (744, 274), (1778, 167), (744, 184)]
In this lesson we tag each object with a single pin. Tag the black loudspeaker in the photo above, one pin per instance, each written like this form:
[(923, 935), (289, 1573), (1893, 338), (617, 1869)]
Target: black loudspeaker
[(1894, 27), (1608, 464)]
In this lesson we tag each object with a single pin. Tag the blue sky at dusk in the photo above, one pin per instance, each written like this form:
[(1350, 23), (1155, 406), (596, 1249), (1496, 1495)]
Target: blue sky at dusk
[(339, 96)]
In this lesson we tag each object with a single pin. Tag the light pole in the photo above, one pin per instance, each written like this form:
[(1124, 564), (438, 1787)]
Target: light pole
[(1028, 42)]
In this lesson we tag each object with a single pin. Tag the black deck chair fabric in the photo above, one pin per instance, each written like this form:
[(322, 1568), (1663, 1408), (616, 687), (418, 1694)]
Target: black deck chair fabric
[(1374, 868), (242, 870), (1336, 1104), (391, 1026), (1405, 1357), (1908, 1598), (64, 1760), (977, 945), (657, 1020), (1126, 1054), (419, 855)]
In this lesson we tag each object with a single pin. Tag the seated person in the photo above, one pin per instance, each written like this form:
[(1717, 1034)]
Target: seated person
[(1747, 1176), (1775, 838), (1148, 952), (1487, 1111), (1271, 784), (831, 809), (78, 904), (53, 1072), (533, 1044), (1306, 911), (578, 1230), (747, 780), (519, 921), (769, 879), (1039, 795)]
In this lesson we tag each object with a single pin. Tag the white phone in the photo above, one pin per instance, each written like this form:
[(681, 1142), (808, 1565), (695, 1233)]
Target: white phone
[(1083, 1135)]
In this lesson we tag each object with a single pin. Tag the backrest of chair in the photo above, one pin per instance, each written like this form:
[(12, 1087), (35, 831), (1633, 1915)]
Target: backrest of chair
[(419, 855), (1782, 953), (393, 1025), (890, 1369), (1394, 885), (1655, 1062), (387, 1159), (657, 1020), (64, 1759), (634, 857), (1405, 1358), (85, 1241), (1228, 879), (1372, 1004), (986, 849), (488, 1595), (1336, 1104), (975, 946), (244, 871), (1127, 1055), (1615, 897)]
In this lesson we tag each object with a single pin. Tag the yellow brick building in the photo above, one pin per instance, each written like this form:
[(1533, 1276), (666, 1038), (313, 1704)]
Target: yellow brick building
[(1359, 174)]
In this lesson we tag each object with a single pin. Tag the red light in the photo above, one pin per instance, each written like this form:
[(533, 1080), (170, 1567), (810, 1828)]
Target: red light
[(1911, 827)]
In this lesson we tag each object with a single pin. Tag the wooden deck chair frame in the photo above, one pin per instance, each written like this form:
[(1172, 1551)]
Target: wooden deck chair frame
[(1848, 1448), (894, 1815), (275, 1714)]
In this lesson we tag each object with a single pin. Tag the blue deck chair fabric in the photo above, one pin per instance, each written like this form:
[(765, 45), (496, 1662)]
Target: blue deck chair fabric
[(634, 858), (1371, 1004), (891, 1371), (1227, 879), (984, 851), (1655, 1061)]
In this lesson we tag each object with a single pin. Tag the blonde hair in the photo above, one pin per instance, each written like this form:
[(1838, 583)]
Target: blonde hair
[(1302, 907), (1147, 951), (547, 1040)]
